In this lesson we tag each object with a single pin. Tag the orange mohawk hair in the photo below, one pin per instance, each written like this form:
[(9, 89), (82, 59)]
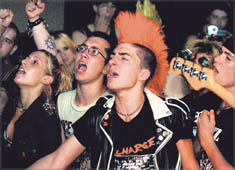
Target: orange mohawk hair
[(136, 28)]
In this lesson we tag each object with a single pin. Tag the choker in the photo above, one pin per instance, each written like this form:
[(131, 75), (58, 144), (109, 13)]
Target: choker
[(128, 116)]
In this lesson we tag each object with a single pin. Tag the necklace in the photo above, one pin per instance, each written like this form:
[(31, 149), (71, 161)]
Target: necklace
[(128, 116), (21, 107)]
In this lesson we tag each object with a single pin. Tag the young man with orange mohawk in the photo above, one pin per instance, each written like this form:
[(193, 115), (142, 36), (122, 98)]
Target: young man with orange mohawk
[(136, 129)]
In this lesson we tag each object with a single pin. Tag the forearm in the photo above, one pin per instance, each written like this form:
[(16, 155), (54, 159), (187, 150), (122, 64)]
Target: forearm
[(43, 39), (216, 157), (42, 163), (185, 148), (62, 157)]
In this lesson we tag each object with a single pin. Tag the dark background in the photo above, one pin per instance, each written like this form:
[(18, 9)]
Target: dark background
[(180, 18)]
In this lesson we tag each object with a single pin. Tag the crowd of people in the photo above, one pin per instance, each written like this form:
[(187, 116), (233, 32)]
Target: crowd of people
[(106, 96)]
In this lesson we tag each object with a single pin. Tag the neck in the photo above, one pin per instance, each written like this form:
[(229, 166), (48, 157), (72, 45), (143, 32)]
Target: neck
[(128, 102), (88, 93), (27, 96)]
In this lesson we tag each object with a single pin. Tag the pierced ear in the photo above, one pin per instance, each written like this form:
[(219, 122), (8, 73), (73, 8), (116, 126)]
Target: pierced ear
[(95, 8), (144, 74), (47, 80)]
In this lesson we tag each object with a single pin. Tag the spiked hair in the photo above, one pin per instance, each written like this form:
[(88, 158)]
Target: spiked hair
[(136, 28)]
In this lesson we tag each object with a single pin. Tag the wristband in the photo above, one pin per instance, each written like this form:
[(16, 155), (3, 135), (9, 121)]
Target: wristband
[(30, 25)]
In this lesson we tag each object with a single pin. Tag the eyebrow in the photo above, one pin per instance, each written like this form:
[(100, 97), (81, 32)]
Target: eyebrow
[(124, 53), (35, 56), (95, 47), (230, 54), (90, 46)]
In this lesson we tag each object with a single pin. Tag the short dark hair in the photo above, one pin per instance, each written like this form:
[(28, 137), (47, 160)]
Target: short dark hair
[(13, 26), (147, 59), (107, 38)]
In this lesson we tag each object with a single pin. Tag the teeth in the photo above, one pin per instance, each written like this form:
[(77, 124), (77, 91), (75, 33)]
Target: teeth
[(81, 64), (21, 70), (113, 74)]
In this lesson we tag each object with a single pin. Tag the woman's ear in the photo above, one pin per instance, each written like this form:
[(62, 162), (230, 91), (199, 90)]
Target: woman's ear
[(47, 80), (144, 74)]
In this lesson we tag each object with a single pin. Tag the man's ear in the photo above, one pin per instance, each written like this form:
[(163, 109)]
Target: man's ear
[(95, 8), (47, 80), (14, 49), (144, 74)]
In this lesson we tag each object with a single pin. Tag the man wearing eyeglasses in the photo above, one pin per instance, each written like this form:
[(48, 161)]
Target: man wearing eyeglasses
[(91, 57)]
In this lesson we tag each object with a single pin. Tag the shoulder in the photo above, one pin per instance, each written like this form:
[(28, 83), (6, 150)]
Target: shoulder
[(177, 105), (66, 95), (103, 104)]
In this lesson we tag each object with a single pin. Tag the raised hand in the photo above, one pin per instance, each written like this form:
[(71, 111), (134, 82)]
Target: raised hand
[(6, 16), (206, 126), (102, 24), (34, 8)]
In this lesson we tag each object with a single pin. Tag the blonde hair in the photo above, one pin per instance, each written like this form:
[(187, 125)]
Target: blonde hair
[(66, 40), (62, 80)]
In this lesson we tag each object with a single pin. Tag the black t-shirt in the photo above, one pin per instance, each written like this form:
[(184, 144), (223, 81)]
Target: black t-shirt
[(135, 142), (224, 128), (224, 138)]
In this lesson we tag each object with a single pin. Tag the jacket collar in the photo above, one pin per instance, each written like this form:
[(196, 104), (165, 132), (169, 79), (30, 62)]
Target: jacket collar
[(158, 106)]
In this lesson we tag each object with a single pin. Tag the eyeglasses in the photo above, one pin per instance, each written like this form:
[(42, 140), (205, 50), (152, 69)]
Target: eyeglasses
[(93, 51)]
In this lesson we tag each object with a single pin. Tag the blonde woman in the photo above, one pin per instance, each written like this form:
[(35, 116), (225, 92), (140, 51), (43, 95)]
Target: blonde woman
[(31, 127), (65, 50), (60, 45)]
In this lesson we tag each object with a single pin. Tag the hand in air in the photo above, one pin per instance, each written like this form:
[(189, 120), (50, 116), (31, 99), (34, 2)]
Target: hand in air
[(33, 9)]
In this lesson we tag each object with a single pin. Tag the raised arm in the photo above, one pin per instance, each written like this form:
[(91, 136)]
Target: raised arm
[(6, 17), (62, 157), (41, 36), (206, 126)]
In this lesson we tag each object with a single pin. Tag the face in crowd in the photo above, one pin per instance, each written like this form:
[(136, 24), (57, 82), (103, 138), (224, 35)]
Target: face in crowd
[(125, 69), (7, 43), (224, 68), (90, 59), (104, 9), (218, 18), (65, 49), (37, 63)]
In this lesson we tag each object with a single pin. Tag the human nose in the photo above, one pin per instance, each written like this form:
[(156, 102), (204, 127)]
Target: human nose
[(112, 61), (84, 54), (23, 62), (219, 59), (62, 53)]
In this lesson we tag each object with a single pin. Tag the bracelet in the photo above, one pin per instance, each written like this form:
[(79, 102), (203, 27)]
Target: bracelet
[(30, 25)]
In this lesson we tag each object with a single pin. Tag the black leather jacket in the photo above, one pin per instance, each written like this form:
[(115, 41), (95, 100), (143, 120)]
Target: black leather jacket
[(37, 133), (169, 115)]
